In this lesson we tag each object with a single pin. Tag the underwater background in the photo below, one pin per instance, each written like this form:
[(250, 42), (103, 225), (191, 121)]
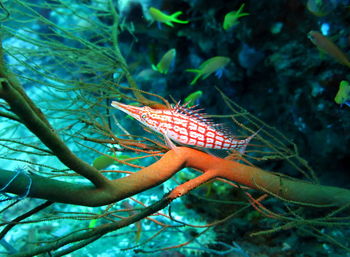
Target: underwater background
[(279, 68)]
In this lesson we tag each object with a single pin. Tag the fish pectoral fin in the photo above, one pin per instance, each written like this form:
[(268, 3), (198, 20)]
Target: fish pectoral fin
[(169, 24), (174, 18), (155, 68), (195, 79), (168, 141), (199, 74), (219, 72)]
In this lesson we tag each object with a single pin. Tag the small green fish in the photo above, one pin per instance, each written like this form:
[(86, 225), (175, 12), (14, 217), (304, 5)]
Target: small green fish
[(159, 16), (216, 63), (326, 45), (231, 18), (165, 62), (343, 95), (193, 97), (92, 223), (103, 162), (319, 8)]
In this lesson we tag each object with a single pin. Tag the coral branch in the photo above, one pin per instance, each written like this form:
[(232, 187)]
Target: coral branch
[(34, 122), (24, 216), (297, 191), (173, 161), (96, 232)]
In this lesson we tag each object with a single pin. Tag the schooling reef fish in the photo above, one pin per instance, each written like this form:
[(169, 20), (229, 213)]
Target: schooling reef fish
[(159, 16), (192, 98), (216, 63), (327, 46), (343, 94), (165, 63), (185, 126), (231, 18)]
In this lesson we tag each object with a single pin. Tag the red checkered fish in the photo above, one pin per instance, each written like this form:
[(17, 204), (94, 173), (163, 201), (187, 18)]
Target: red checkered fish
[(186, 126)]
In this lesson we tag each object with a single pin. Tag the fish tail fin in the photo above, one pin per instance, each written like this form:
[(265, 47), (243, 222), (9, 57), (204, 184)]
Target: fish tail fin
[(155, 68), (159, 69), (174, 18), (176, 14), (247, 140), (241, 8), (196, 77), (180, 21)]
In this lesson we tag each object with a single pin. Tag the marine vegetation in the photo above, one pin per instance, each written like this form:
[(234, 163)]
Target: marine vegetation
[(80, 178)]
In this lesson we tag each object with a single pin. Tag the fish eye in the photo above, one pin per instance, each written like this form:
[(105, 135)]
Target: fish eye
[(144, 116)]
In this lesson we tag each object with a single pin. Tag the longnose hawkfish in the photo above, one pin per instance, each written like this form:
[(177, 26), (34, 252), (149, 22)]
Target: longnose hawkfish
[(185, 126)]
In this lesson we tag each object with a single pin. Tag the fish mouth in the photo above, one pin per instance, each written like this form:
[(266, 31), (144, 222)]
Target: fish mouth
[(118, 105), (133, 111)]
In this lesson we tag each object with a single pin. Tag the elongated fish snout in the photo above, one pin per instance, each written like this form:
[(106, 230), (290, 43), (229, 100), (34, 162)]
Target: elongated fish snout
[(133, 111), (117, 105)]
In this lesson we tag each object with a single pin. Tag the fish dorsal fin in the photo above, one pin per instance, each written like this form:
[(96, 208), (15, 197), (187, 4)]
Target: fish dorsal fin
[(194, 113), (197, 114)]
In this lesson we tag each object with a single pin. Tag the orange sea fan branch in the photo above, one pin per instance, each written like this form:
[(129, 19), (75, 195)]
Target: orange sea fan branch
[(288, 189)]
